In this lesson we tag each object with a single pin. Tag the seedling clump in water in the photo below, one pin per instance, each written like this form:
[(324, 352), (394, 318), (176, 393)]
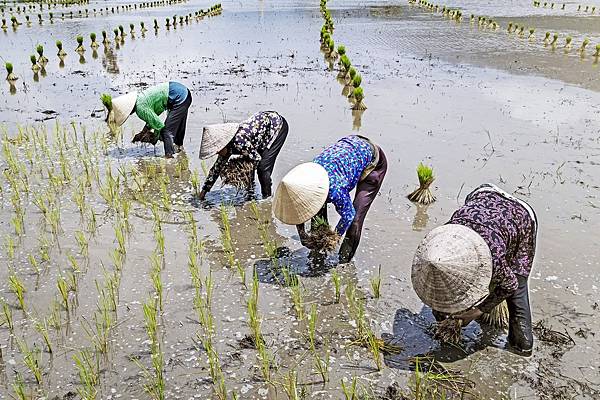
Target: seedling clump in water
[(321, 237), (423, 194), (11, 77), (80, 49)]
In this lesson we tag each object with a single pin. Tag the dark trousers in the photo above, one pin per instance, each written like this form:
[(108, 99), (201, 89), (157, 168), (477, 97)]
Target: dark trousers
[(366, 191), (520, 331), (264, 169), (174, 130)]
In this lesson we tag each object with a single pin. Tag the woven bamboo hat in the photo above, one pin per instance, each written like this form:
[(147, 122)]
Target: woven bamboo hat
[(301, 193), (452, 269), (122, 107), (215, 137)]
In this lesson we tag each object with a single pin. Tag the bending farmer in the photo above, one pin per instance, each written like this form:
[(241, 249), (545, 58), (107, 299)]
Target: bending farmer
[(257, 139), (148, 105), (480, 258), (303, 194)]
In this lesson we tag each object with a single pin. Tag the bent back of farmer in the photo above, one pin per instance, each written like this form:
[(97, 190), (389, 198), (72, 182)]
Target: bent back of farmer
[(258, 139), (480, 258), (352, 162)]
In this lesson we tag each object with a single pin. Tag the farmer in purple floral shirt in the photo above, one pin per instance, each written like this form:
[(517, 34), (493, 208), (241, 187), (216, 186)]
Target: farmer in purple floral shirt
[(352, 162), (480, 258), (259, 139)]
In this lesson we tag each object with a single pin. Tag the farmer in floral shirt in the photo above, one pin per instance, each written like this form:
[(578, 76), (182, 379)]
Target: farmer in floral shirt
[(480, 258), (352, 162), (259, 139)]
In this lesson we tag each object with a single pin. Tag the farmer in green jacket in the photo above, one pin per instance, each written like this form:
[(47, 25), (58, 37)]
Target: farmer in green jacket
[(148, 104)]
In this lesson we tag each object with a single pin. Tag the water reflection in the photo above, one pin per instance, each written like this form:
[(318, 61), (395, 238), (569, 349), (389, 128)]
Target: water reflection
[(421, 218)]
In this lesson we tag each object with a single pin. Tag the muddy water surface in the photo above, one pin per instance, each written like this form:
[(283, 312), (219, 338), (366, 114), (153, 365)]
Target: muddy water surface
[(478, 105)]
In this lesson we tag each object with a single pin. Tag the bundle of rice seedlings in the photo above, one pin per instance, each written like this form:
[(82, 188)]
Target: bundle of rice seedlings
[(547, 38), (41, 59), (346, 65), (597, 53), (356, 81), (34, 65), (358, 98), (584, 44), (106, 102), (568, 42), (11, 77), (531, 33), (321, 237), (80, 49), (341, 50), (554, 39), (105, 40), (498, 317), (239, 173), (331, 48), (423, 195), (61, 51), (94, 44), (448, 331), (4, 26), (145, 136)]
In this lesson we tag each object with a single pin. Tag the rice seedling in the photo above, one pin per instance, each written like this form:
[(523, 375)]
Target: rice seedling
[(374, 345), (597, 53), (584, 44), (19, 388), (531, 33), (82, 242), (497, 317), (168, 22), (423, 194), (63, 290), (376, 284), (16, 286), (4, 26), (42, 328), (34, 65), (291, 385), (547, 38), (554, 40), (341, 50), (7, 317), (42, 60), (158, 288), (226, 240), (32, 358), (254, 320), (241, 272), (122, 32), (449, 331), (350, 392), (132, 29), (432, 380), (105, 40), (296, 293), (143, 27), (336, 279), (346, 65), (239, 173), (155, 25), (88, 370), (10, 75)]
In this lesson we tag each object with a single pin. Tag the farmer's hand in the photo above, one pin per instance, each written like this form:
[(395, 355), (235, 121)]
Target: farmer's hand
[(303, 236), (468, 316), (202, 195)]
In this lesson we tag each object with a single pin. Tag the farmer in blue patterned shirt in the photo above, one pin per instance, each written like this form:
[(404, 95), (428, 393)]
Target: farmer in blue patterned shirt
[(259, 139), (352, 162)]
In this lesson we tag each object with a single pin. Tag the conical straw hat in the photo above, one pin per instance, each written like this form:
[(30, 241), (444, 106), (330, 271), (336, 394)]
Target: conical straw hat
[(122, 107), (216, 137), (301, 193), (452, 269)]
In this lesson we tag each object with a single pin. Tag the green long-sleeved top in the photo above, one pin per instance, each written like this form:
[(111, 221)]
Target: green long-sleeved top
[(152, 102)]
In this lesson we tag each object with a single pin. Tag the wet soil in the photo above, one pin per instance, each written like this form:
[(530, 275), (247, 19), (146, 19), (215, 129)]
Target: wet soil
[(478, 105)]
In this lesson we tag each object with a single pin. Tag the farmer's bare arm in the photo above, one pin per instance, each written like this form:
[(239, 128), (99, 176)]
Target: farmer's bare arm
[(303, 235), (467, 316), (213, 174)]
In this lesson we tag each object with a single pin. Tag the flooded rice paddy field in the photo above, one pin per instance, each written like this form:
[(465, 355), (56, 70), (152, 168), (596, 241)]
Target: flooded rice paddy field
[(85, 215)]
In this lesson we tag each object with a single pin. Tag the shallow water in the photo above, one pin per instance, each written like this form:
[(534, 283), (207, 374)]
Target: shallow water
[(478, 105)]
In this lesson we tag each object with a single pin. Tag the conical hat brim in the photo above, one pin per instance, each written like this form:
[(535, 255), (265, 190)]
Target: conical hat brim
[(122, 107), (452, 269), (216, 137), (301, 194)]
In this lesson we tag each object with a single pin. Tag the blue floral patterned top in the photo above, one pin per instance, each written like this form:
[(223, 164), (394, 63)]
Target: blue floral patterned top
[(344, 162)]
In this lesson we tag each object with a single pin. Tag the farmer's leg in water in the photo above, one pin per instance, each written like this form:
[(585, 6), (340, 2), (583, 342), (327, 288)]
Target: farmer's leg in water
[(520, 333), (366, 191), (180, 134), (177, 115), (267, 162)]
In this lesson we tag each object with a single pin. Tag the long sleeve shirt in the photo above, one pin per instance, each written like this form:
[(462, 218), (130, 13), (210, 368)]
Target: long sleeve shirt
[(152, 102), (509, 229), (345, 162), (252, 138)]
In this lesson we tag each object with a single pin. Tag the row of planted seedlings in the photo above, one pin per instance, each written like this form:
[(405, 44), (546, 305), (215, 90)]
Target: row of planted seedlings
[(551, 40), (348, 75), (31, 6), (580, 8), (15, 23), (82, 13), (39, 61), (45, 171), (42, 171)]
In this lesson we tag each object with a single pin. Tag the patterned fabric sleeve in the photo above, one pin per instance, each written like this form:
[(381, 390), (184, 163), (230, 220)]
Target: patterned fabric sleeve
[(214, 173), (504, 281), (345, 208)]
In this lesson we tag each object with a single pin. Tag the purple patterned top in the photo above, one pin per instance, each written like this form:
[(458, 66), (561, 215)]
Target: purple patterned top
[(510, 232), (345, 162)]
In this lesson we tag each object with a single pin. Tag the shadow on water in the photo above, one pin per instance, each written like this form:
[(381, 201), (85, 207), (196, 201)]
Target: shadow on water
[(414, 333), (301, 262)]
